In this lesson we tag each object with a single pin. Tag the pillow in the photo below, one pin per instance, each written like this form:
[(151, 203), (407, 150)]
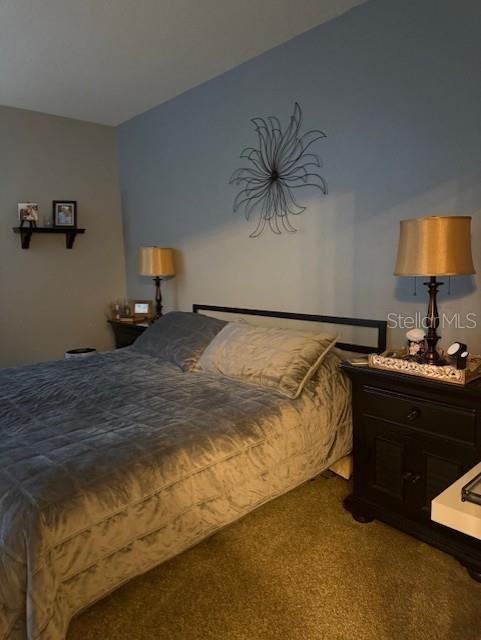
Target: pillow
[(179, 337), (279, 359)]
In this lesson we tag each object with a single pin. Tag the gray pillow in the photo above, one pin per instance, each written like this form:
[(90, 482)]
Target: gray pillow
[(179, 337), (280, 359)]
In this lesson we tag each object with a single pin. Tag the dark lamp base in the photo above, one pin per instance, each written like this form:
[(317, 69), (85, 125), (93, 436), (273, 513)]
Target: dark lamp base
[(158, 298), (431, 356), (437, 361)]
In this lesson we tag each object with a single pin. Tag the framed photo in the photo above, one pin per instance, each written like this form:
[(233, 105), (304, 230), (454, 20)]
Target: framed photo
[(65, 213), (142, 309), (28, 213)]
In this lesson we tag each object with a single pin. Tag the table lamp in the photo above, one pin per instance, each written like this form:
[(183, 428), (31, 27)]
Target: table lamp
[(432, 247), (159, 263)]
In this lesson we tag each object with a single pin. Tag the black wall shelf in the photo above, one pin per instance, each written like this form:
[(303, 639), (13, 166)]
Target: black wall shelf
[(27, 232)]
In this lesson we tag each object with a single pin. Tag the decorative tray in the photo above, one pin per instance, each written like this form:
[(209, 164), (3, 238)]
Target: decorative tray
[(398, 361)]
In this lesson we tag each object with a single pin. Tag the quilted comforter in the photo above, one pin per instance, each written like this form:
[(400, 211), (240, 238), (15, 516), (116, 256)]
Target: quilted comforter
[(113, 464)]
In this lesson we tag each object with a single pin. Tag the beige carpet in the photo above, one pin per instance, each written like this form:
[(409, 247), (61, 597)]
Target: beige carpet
[(299, 568)]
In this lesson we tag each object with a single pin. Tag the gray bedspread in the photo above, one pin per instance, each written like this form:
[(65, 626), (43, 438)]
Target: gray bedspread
[(111, 465)]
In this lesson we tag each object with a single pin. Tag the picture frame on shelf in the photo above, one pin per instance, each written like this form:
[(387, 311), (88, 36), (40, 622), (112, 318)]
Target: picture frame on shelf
[(64, 214), (28, 213)]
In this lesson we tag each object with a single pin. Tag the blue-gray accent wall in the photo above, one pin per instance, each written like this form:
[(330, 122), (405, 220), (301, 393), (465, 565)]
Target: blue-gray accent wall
[(396, 85)]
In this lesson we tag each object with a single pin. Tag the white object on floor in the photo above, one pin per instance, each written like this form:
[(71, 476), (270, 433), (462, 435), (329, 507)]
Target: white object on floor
[(343, 467), (448, 508)]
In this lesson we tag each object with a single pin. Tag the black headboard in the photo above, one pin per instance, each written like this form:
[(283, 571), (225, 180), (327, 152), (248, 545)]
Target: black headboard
[(380, 325)]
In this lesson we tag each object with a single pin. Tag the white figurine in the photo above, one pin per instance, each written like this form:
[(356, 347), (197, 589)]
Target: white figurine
[(416, 344)]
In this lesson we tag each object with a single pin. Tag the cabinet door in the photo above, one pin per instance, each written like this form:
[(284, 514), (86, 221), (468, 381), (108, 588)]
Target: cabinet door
[(437, 463), (383, 469), (125, 335)]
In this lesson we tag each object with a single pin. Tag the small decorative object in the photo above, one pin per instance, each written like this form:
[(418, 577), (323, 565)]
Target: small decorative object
[(159, 263), (458, 354), (277, 167), (472, 491), (436, 246), (65, 213), (416, 343), (142, 309), (462, 361), (115, 307), (28, 213), (399, 362), (122, 311)]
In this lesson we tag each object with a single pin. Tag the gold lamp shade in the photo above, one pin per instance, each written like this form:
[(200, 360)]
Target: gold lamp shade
[(156, 261), (436, 246)]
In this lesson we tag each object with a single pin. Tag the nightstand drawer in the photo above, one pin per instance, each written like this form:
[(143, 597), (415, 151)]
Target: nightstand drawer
[(418, 413)]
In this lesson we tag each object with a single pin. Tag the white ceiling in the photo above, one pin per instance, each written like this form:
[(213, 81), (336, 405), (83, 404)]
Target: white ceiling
[(108, 60)]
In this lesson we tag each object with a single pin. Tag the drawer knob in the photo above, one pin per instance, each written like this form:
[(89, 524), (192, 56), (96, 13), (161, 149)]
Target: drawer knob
[(411, 477), (413, 415)]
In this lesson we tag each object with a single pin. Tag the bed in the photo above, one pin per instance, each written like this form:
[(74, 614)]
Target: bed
[(113, 464)]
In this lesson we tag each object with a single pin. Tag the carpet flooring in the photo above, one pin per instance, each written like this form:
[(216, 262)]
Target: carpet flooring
[(299, 568)]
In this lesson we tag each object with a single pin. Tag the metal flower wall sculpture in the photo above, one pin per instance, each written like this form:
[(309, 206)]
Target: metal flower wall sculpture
[(277, 167)]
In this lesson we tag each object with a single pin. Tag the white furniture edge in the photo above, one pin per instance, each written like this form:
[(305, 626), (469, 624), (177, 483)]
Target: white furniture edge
[(448, 508)]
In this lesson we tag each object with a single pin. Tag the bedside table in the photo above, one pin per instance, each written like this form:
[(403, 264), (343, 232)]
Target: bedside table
[(412, 439), (126, 333)]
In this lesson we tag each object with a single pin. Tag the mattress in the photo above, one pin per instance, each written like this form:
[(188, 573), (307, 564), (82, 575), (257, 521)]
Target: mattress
[(113, 464)]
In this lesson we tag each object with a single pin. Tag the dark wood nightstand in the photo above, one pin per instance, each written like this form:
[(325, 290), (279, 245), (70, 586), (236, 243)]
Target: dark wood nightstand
[(126, 333), (412, 439)]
